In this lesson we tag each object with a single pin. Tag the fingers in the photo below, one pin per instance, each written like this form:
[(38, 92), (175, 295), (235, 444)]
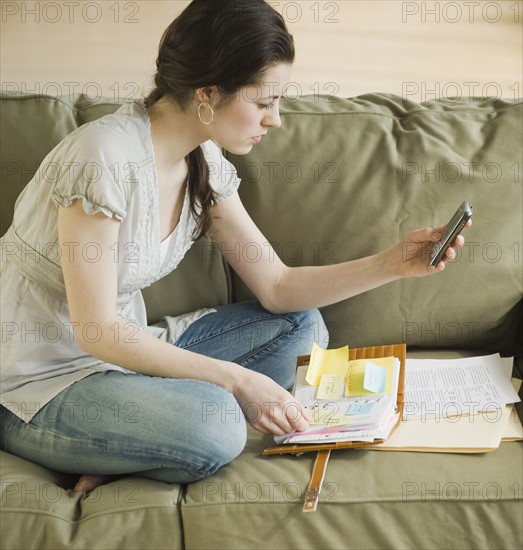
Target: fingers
[(437, 231), (459, 241), (281, 419), (301, 421), (451, 253), (426, 234), (441, 228), (268, 407), (433, 233), (418, 246), (291, 418)]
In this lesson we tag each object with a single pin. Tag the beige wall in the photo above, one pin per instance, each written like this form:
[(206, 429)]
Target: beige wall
[(345, 47)]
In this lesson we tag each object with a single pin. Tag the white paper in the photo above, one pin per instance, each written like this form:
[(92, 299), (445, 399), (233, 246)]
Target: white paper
[(455, 387), (478, 433)]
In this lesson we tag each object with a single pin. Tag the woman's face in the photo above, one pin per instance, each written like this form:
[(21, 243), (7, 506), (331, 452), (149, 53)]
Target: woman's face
[(242, 123)]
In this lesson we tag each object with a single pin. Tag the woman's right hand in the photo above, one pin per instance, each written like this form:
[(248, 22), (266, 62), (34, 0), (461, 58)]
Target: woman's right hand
[(267, 406)]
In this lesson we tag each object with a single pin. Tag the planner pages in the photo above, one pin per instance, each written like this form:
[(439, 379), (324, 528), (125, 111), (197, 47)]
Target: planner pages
[(346, 400)]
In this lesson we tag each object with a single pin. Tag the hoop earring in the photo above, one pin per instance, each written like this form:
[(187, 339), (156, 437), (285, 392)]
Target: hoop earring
[(200, 114)]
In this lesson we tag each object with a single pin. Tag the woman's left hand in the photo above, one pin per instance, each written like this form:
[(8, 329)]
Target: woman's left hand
[(413, 253)]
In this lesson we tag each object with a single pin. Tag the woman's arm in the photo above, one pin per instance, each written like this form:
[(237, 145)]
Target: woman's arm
[(282, 289), (91, 295)]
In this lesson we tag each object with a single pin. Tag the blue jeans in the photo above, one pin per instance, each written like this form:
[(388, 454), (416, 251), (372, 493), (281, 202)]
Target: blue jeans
[(174, 430)]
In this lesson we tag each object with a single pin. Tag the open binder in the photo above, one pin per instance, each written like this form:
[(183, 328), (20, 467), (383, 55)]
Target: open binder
[(323, 449)]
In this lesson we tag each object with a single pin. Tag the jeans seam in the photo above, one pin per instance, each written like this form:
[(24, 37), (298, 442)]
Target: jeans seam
[(265, 347), (133, 451), (238, 326)]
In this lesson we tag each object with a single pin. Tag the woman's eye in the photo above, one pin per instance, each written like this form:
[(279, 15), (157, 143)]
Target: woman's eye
[(267, 107)]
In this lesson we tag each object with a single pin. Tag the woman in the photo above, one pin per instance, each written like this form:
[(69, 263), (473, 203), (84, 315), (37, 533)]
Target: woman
[(113, 208)]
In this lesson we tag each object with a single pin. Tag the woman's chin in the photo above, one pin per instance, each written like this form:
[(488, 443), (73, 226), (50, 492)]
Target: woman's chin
[(242, 149)]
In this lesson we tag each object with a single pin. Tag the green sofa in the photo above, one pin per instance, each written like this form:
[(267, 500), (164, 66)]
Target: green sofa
[(341, 179)]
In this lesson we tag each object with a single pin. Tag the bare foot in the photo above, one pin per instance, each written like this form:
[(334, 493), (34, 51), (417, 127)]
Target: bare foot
[(88, 482)]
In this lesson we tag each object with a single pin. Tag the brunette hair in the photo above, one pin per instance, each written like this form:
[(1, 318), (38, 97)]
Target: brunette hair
[(224, 43)]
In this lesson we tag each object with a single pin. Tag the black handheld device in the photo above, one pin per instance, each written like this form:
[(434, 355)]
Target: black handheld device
[(453, 229)]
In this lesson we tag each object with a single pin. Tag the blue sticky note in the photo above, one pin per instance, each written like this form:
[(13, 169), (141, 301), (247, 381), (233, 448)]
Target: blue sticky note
[(375, 377), (360, 408)]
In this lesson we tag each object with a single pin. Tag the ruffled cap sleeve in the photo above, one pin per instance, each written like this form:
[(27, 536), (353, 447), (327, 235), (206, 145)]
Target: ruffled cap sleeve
[(89, 165)]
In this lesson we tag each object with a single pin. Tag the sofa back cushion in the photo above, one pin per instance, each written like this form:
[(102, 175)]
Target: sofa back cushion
[(31, 126), (345, 178), (342, 179)]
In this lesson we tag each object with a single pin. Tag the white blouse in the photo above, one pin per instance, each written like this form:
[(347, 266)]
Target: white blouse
[(109, 164)]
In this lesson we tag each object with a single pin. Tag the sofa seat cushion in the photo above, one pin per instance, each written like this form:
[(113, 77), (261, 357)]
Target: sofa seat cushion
[(132, 512), (370, 499)]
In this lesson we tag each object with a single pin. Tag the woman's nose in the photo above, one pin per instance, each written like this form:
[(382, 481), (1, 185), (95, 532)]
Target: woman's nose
[(272, 118)]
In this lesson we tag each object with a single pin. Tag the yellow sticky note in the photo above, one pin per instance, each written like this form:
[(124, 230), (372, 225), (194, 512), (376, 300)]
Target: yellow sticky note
[(331, 387), (326, 361), (356, 375), (333, 421), (328, 416)]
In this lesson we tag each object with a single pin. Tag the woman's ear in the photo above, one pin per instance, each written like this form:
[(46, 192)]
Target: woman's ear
[(207, 94)]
